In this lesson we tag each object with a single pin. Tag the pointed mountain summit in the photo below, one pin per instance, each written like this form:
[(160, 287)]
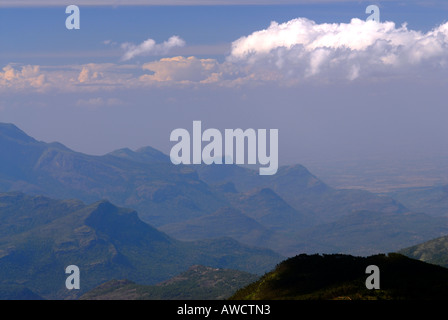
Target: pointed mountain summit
[(146, 155), (123, 225), (106, 242), (11, 132)]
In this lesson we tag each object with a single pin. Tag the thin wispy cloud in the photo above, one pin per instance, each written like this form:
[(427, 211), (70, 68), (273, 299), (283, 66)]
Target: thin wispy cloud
[(97, 102)]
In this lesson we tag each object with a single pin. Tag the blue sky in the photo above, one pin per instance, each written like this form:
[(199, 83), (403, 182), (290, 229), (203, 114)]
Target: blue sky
[(74, 86), (31, 33)]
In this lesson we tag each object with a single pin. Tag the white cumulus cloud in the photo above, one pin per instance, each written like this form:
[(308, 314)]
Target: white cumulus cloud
[(150, 47), (304, 48)]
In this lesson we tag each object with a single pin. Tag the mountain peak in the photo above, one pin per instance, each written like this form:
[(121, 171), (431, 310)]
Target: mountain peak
[(9, 130), (226, 187), (266, 192), (146, 155), (296, 169), (123, 152), (121, 224), (104, 210)]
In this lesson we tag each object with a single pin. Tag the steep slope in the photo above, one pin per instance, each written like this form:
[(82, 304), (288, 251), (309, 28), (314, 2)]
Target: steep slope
[(334, 277), (433, 251), (15, 209), (430, 200), (225, 222), (105, 242), (197, 283), (268, 208), (17, 292)]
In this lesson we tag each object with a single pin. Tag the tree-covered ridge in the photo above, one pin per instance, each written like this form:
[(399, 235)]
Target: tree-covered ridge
[(338, 276)]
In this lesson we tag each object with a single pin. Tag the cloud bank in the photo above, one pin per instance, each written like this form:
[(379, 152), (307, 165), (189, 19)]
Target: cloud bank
[(289, 53), (302, 50)]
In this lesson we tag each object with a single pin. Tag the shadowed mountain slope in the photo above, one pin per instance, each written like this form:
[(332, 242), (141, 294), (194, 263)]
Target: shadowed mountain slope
[(106, 242)]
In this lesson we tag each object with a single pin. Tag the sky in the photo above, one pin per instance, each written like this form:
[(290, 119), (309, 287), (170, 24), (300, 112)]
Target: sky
[(335, 85)]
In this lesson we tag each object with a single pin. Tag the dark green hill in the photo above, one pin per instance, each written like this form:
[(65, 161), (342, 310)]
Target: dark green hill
[(335, 277), (106, 242), (197, 283)]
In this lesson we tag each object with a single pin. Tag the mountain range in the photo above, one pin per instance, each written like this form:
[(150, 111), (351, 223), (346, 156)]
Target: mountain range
[(291, 212), (134, 215)]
